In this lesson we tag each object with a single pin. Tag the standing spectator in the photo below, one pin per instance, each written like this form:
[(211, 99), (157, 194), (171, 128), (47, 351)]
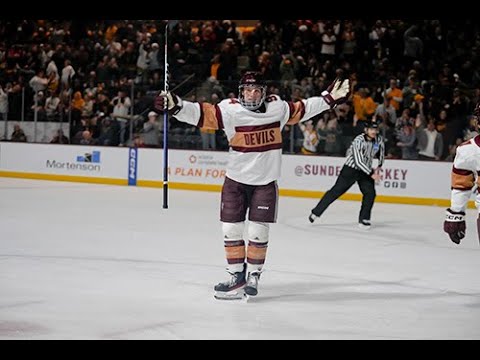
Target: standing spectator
[(363, 105), (310, 138), (121, 107), (403, 120), (407, 142), (332, 133), (410, 91), (52, 75), (209, 141), (67, 74), (472, 129), (430, 142), (51, 106), (327, 50), (3, 103), (349, 42), (151, 134), (413, 45), (39, 82), (76, 107), (394, 95), (153, 59), (142, 62), (385, 113)]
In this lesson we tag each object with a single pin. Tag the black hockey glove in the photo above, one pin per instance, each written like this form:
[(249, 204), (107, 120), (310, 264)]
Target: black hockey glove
[(454, 225)]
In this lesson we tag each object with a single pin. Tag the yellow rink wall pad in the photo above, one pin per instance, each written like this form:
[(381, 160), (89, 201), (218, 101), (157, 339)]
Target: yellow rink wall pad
[(70, 178), (217, 188)]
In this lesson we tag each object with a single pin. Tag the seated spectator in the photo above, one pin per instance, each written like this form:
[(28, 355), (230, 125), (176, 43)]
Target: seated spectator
[(60, 138), (108, 132), (87, 138), (138, 141), (18, 135)]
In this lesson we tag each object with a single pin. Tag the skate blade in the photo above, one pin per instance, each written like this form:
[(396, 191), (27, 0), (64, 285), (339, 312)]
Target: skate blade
[(232, 295)]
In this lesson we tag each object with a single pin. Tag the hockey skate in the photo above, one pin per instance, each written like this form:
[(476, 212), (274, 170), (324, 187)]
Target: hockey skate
[(232, 289), (251, 289), (364, 224)]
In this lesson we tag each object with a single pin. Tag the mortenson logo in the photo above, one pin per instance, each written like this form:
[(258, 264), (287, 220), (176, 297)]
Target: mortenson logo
[(86, 162)]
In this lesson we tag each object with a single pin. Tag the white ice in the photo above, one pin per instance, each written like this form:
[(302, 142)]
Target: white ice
[(82, 261)]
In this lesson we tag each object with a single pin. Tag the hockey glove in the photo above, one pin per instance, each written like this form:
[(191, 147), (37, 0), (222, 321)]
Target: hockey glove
[(454, 225), (174, 103), (337, 92)]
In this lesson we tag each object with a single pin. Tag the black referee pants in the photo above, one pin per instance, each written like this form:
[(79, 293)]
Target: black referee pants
[(349, 176)]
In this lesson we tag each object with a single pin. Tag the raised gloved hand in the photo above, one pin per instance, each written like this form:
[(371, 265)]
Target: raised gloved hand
[(337, 92), (174, 103), (454, 225)]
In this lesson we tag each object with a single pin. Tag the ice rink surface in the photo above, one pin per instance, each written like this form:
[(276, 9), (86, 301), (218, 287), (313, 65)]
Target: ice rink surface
[(82, 261)]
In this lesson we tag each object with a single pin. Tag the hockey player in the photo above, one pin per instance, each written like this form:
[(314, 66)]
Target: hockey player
[(253, 125), (357, 168), (464, 177)]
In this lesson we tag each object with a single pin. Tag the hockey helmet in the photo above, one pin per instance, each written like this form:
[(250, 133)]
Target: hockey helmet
[(371, 125), (252, 79)]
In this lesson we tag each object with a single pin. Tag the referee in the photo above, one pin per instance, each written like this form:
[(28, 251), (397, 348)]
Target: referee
[(357, 168)]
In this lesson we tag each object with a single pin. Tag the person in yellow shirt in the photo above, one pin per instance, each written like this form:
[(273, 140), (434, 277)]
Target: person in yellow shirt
[(394, 95), (310, 138), (363, 104)]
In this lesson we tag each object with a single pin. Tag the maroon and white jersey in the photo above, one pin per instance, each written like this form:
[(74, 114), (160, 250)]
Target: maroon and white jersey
[(255, 138), (465, 170)]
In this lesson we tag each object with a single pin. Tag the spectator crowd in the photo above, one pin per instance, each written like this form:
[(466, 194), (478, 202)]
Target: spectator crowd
[(418, 79)]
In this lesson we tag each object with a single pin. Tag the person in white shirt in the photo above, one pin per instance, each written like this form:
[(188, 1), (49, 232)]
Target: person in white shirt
[(253, 125), (121, 108), (38, 82), (51, 106), (3, 103), (67, 74), (430, 142), (310, 138)]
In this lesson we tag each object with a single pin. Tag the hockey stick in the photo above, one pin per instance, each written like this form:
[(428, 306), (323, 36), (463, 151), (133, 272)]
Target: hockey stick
[(168, 26)]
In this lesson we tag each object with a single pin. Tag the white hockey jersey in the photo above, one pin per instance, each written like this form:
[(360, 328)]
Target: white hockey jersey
[(255, 138), (465, 170)]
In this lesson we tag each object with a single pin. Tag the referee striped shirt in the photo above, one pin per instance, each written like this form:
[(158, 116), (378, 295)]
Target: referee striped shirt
[(361, 153)]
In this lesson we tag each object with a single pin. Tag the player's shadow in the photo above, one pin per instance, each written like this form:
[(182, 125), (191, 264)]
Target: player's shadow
[(347, 296), (329, 292)]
